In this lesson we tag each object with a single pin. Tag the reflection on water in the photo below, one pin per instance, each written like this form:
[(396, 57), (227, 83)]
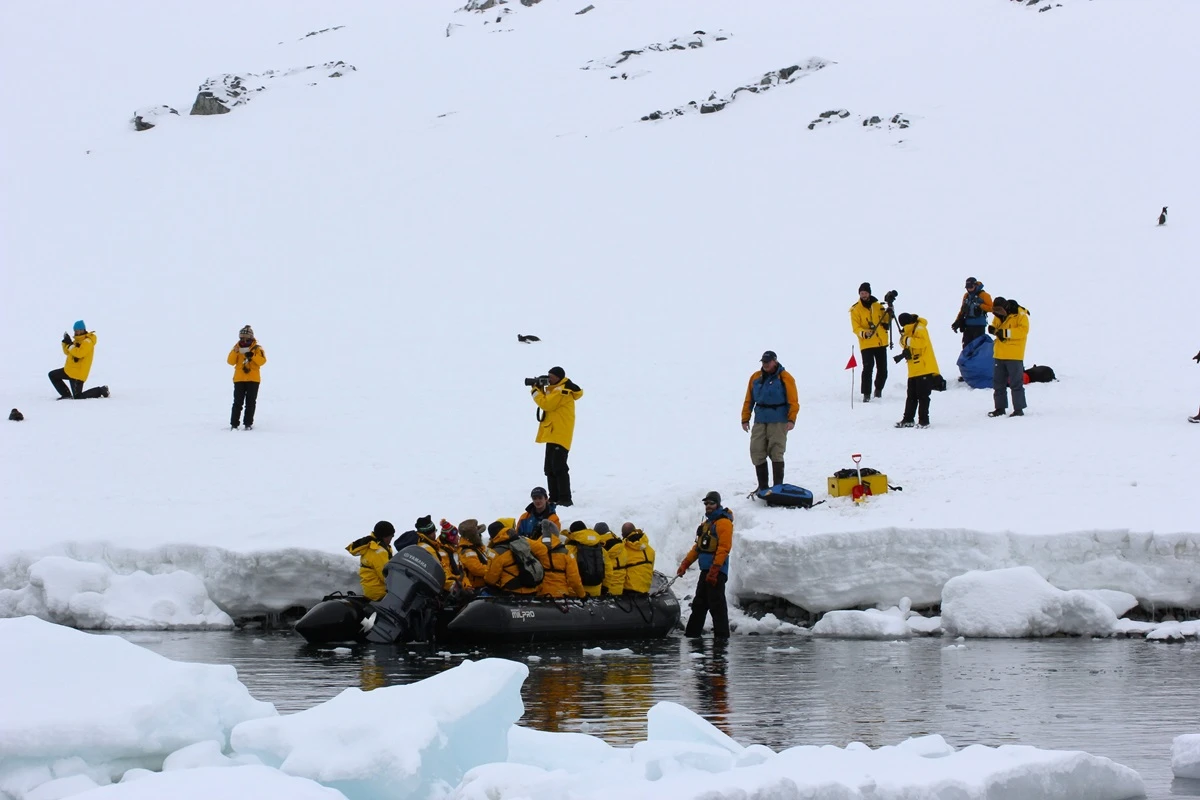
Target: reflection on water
[(1125, 699)]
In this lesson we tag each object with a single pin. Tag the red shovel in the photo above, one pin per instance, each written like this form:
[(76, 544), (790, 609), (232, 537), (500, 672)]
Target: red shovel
[(859, 493)]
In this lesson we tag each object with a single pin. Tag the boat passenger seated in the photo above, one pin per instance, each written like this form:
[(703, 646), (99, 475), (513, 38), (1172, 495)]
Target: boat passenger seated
[(427, 533), (614, 553), (504, 572), (473, 554), (585, 544), (562, 573), (374, 551), (639, 559)]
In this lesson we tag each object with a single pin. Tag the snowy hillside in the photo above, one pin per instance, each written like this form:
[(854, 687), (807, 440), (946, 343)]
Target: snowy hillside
[(471, 175)]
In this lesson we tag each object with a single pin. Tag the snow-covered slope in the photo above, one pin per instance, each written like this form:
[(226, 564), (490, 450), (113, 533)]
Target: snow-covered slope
[(388, 231)]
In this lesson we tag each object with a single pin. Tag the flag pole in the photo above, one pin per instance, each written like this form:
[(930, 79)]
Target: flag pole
[(853, 370)]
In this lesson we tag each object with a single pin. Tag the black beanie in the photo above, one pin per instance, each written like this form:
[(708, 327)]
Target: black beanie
[(1012, 306), (495, 528), (907, 319), (383, 528), (865, 287), (558, 371), (578, 525), (425, 524)]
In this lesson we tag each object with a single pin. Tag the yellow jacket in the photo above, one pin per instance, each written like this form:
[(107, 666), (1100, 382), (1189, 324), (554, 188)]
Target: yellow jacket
[(639, 562), (614, 567), (474, 559), (502, 569), (373, 556), (861, 320), (79, 355), (557, 404), (562, 575), (915, 339), (1011, 334), (589, 538), (246, 365), (445, 554)]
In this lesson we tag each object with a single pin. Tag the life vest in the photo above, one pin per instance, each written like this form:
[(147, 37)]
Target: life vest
[(706, 534), (770, 395)]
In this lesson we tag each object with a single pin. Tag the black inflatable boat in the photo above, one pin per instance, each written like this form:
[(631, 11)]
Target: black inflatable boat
[(414, 610)]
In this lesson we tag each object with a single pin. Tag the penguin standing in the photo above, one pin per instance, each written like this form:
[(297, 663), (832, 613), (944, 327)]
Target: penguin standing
[(1162, 218)]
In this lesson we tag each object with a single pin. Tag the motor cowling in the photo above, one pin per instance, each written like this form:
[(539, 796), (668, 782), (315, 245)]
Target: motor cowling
[(414, 579)]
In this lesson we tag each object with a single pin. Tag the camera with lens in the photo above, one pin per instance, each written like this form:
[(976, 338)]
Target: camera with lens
[(540, 380), (890, 297)]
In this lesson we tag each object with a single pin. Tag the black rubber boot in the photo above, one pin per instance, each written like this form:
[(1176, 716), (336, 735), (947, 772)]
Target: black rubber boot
[(777, 468), (761, 470)]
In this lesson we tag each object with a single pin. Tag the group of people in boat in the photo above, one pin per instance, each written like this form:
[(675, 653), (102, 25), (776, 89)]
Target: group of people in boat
[(531, 555)]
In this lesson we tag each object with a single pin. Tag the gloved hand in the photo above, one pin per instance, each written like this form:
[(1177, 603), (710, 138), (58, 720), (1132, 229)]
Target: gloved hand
[(992, 329), (1196, 358), (682, 569), (714, 572), (956, 326), (745, 426), (66, 338), (898, 359)]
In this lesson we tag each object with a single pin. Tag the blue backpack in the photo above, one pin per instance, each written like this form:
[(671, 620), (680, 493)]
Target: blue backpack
[(975, 362), (785, 495)]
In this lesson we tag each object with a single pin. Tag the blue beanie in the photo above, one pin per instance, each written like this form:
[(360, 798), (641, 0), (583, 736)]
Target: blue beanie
[(79, 326)]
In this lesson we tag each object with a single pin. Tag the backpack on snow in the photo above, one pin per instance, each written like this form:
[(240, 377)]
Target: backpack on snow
[(590, 558), (785, 495), (529, 569), (1040, 374)]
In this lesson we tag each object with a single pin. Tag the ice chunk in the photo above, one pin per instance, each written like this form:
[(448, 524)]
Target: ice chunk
[(932, 746), (1018, 602), (253, 782), (600, 651), (91, 596), (671, 722), (1185, 756), (59, 788), (919, 624), (115, 705), (769, 624), (1119, 602), (870, 624), (396, 741), (203, 754), (552, 751)]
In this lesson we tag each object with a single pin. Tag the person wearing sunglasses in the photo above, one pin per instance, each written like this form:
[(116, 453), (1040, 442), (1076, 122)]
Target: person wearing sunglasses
[(246, 357), (714, 540)]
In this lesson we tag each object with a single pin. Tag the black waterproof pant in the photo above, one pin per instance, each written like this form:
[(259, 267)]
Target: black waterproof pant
[(874, 360), (916, 405), (244, 392), (558, 474), (57, 376), (709, 599), (972, 332)]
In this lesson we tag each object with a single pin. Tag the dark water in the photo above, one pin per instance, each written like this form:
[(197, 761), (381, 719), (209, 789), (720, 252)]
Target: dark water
[(1124, 699)]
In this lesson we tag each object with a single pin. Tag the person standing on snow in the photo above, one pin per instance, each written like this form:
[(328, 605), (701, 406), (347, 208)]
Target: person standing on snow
[(771, 395), (1010, 326), (972, 315), (871, 323), (78, 350), (374, 551), (246, 357), (922, 370), (714, 540), (556, 418)]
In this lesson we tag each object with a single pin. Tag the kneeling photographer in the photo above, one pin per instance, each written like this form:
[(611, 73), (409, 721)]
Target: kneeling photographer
[(555, 397), (871, 322)]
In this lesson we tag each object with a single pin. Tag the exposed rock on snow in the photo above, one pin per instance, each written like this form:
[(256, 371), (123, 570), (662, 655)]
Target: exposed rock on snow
[(221, 93), (768, 81), (584, 10), (897, 121), (146, 118), (1018, 602), (694, 42)]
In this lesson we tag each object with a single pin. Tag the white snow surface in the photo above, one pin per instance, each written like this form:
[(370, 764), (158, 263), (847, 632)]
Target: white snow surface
[(1018, 602), (86, 704), (869, 624), (455, 737), (1185, 756), (385, 232)]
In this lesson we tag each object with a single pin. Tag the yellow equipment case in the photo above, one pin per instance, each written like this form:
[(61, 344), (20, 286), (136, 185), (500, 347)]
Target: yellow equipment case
[(843, 487)]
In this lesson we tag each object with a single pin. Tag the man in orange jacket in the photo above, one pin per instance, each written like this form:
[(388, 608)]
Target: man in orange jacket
[(714, 540), (771, 397)]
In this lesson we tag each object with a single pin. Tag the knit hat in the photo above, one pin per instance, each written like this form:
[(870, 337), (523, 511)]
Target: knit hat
[(425, 525), (578, 525), (907, 319), (246, 332), (79, 326), (714, 497), (559, 371), (864, 287), (602, 528), (383, 529), (495, 528), (449, 533), (537, 492)]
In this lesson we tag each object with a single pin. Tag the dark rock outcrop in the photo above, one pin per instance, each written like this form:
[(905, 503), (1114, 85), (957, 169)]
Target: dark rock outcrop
[(768, 81)]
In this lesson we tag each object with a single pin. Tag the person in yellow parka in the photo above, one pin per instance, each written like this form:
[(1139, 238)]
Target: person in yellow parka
[(78, 350), (473, 554), (427, 538), (871, 322), (246, 357), (614, 554), (556, 418), (374, 551), (923, 372), (585, 544), (639, 559), (562, 572), (503, 574), (1010, 326)]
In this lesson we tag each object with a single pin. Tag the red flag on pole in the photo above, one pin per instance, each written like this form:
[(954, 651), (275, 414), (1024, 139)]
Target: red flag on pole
[(852, 363)]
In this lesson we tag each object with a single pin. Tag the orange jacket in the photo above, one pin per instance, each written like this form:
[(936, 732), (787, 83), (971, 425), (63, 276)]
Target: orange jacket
[(503, 569), (787, 399), (474, 560), (562, 575), (714, 540)]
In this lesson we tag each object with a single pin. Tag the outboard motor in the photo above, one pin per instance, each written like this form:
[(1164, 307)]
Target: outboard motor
[(337, 618), (408, 611)]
